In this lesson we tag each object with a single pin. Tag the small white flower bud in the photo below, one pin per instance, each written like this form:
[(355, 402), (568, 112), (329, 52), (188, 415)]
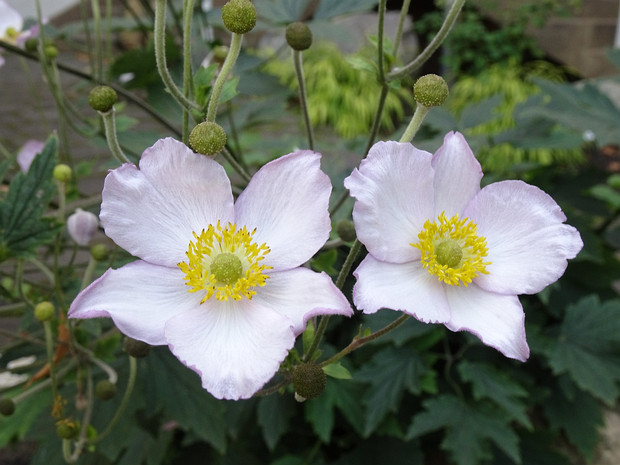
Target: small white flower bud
[(82, 226)]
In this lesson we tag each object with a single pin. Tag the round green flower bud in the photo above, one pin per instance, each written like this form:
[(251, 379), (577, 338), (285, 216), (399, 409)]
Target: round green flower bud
[(44, 311), (298, 36), (102, 98), (99, 252), (50, 51), (105, 389), (239, 16), (207, 138), (31, 44), (346, 230), (67, 429), (430, 90), (309, 381), (62, 172), (220, 53), (135, 348), (7, 407)]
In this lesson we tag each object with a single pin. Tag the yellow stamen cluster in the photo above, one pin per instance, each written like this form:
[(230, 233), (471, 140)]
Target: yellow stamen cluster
[(451, 250), (225, 263)]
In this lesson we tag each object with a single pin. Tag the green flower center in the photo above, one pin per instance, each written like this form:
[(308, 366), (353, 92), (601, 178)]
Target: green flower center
[(452, 250), (225, 263)]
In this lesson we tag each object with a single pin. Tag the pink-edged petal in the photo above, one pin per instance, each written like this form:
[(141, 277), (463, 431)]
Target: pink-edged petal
[(457, 175), (9, 18), (393, 188), (400, 286), (528, 242), (300, 293), (287, 202), (152, 212), (497, 320), (139, 297), (235, 347)]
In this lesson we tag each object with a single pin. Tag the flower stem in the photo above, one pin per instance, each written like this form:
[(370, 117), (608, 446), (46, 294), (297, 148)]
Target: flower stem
[(416, 121), (98, 70), (160, 57), (235, 164), (303, 100), (109, 125), (188, 9), (227, 66), (399, 32), (449, 21), (360, 341)]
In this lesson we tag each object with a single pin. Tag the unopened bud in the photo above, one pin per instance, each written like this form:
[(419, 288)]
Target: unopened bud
[(82, 226), (239, 16), (7, 407), (309, 381), (31, 44), (50, 51), (207, 138), (430, 90), (62, 173), (44, 311), (346, 230), (102, 98), (67, 429), (105, 389), (135, 348), (298, 36), (99, 252)]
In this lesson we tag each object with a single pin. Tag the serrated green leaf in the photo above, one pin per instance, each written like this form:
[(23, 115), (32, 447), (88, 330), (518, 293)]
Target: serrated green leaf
[(392, 372), (336, 370), (588, 347), (22, 228), (490, 383), (17, 425), (175, 391), (580, 416), (343, 395), (469, 429), (274, 413)]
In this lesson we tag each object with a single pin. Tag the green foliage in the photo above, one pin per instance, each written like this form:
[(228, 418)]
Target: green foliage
[(23, 227), (343, 92)]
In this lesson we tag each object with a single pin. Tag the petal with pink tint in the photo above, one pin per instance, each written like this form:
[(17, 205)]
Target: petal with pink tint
[(393, 188)]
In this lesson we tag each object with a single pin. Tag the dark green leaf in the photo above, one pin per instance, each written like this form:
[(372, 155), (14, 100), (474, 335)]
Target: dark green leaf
[(332, 8), (469, 428), (491, 383), (483, 112), (382, 450), (274, 413), (391, 373), (588, 347)]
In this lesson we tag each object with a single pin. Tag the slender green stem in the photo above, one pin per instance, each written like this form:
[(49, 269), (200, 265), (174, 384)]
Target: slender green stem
[(227, 66), (401, 21), (5, 152), (98, 71), (43, 269), (342, 276), (380, 52), (160, 57), (188, 10), (303, 99), (416, 121), (235, 164), (62, 200), (10, 310), (449, 21), (133, 369), (109, 125), (49, 346), (88, 273), (374, 130)]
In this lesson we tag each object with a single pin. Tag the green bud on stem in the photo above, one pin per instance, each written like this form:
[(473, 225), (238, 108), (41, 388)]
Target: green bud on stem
[(309, 381), (239, 16), (430, 90), (298, 36), (102, 98), (207, 138)]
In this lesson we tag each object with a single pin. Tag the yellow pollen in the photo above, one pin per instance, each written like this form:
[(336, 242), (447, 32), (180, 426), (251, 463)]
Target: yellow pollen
[(225, 263), (452, 251)]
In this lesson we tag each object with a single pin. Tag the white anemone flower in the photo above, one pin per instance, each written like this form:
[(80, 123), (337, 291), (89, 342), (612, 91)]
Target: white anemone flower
[(220, 282), (446, 251)]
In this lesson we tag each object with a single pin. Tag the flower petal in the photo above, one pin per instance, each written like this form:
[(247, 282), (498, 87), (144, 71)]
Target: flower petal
[(300, 294), (287, 202), (152, 212), (528, 243), (9, 18), (235, 347), (28, 152), (403, 286), (139, 297), (393, 188), (497, 320), (457, 175)]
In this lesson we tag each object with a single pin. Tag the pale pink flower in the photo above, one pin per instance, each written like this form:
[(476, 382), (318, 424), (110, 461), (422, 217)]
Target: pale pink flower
[(220, 282), (11, 25), (445, 251), (82, 226), (27, 152)]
